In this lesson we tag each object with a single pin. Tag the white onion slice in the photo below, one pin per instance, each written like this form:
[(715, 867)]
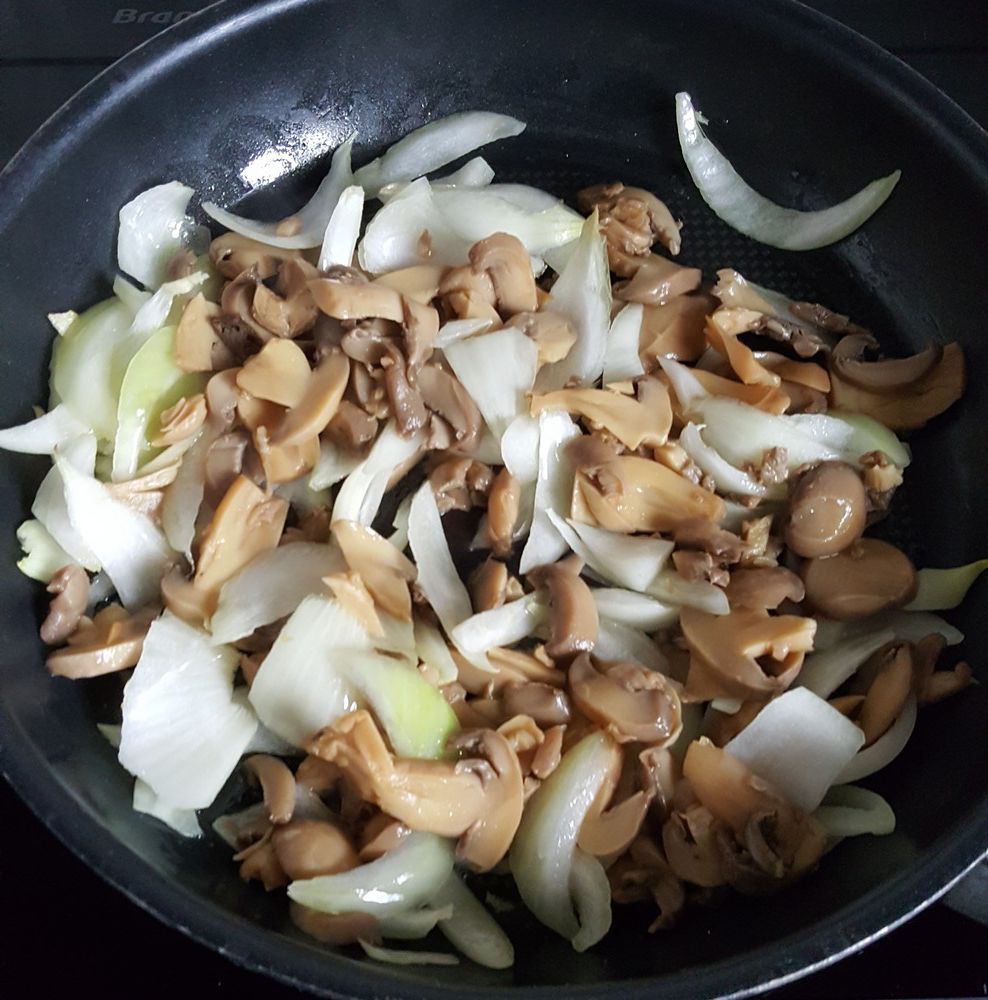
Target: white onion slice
[(457, 329), (44, 434), (405, 956), (343, 229), (621, 359), (670, 587), (431, 649), (824, 671), (313, 217), (849, 811), (591, 899), (520, 448), (635, 610), (745, 210), (800, 744), (727, 478), (43, 556), (406, 877), (412, 925), (616, 641), (687, 387), (471, 929), (475, 173), (182, 821), (884, 750)]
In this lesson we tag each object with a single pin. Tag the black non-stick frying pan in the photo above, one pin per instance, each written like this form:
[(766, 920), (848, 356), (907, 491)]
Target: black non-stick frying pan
[(245, 95)]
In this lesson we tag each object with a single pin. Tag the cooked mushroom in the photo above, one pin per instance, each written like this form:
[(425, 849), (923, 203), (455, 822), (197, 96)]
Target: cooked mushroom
[(443, 393), (552, 332), (745, 654), (225, 460), (657, 281), (632, 218), (691, 849), (701, 533), (350, 300), (549, 753), (645, 421), (888, 692), (317, 775), (354, 597), (385, 571), (573, 620), (277, 785), (232, 253), (181, 421), (610, 833), (503, 508), (827, 510), (278, 373), (763, 397), (420, 326), (381, 834), (351, 427), (547, 705), (70, 587), (469, 294), (625, 493), (764, 587), (887, 375), (506, 262), (488, 585), (197, 346), (904, 400), (659, 774), (738, 355), (460, 483), (944, 683), (308, 417), (112, 641), (222, 396), (403, 395), (420, 283), (867, 577), (644, 874), (307, 848), (675, 329), (629, 701), (259, 862)]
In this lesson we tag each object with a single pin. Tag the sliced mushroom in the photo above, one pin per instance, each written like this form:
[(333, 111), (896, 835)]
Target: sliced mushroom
[(184, 600), (198, 348), (503, 508), (689, 839), (181, 421), (460, 483), (317, 775), (644, 874), (888, 692), (704, 535), (827, 510), (867, 577), (631, 218), (380, 835), (573, 622), (763, 397), (278, 373), (277, 785), (506, 262), (222, 396), (764, 587), (634, 422), (385, 571), (546, 705), (944, 683), (112, 641), (308, 848), (739, 356), (420, 327), (553, 334), (902, 405), (403, 395), (888, 375), (232, 253), (420, 283), (443, 393), (70, 589), (675, 329), (488, 585), (626, 493), (747, 654), (246, 523), (469, 294), (657, 280), (260, 863), (549, 753), (629, 701), (308, 417), (349, 300), (351, 427), (354, 597), (721, 727)]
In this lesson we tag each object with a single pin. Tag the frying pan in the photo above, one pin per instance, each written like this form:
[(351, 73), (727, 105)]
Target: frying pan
[(254, 95)]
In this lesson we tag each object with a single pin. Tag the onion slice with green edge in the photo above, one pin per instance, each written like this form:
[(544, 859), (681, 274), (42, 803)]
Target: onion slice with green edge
[(943, 589), (405, 878), (752, 214)]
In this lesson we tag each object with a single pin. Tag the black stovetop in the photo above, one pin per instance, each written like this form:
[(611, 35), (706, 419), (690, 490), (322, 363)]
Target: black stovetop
[(64, 927)]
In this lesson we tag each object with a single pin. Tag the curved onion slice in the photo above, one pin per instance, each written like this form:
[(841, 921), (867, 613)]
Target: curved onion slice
[(825, 670), (471, 929), (183, 821), (621, 359), (728, 478), (849, 811), (884, 750), (634, 610), (503, 626), (617, 641), (404, 878), (942, 589), (745, 210), (343, 229), (43, 556), (405, 956), (313, 217), (44, 434)]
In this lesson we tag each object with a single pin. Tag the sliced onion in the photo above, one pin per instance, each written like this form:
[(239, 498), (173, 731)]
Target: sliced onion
[(520, 448), (128, 545), (62, 321), (471, 929), (434, 145), (621, 360), (870, 435), (413, 925), (911, 626), (183, 821), (43, 556), (431, 649), (616, 641), (503, 626), (687, 387), (825, 670), (670, 587), (313, 217), (635, 610), (818, 744), (406, 877), (343, 229), (183, 497), (582, 294), (271, 586), (531, 199), (183, 729), (154, 313), (727, 478), (884, 750), (153, 228), (849, 811), (542, 855), (475, 173), (399, 956), (457, 329), (591, 899), (44, 434), (335, 464), (129, 295), (630, 561), (553, 490), (943, 589), (742, 208)]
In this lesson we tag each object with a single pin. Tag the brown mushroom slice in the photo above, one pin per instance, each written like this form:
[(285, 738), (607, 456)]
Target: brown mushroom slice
[(278, 373), (888, 375), (259, 862), (888, 692), (288, 310), (626, 493), (738, 355), (488, 585), (380, 835), (610, 833), (112, 641), (908, 406), (246, 523), (70, 589), (503, 508), (420, 327), (634, 422), (345, 300), (184, 600), (762, 397), (764, 587), (317, 775), (643, 874), (639, 212), (277, 785), (675, 329), (232, 253), (335, 928), (420, 283), (727, 652), (443, 393), (549, 753), (803, 373), (573, 622), (197, 347), (354, 597), (657, 280), (659, 774), (631, 702), (546, 705), (471, 304), (181, 421), (689, 841), (308, 848), (308, 417), (385, 571), (506, 262), (827, 510), (553, 334), (867, 577), (944, 683), (464, 282), (285, 463)]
